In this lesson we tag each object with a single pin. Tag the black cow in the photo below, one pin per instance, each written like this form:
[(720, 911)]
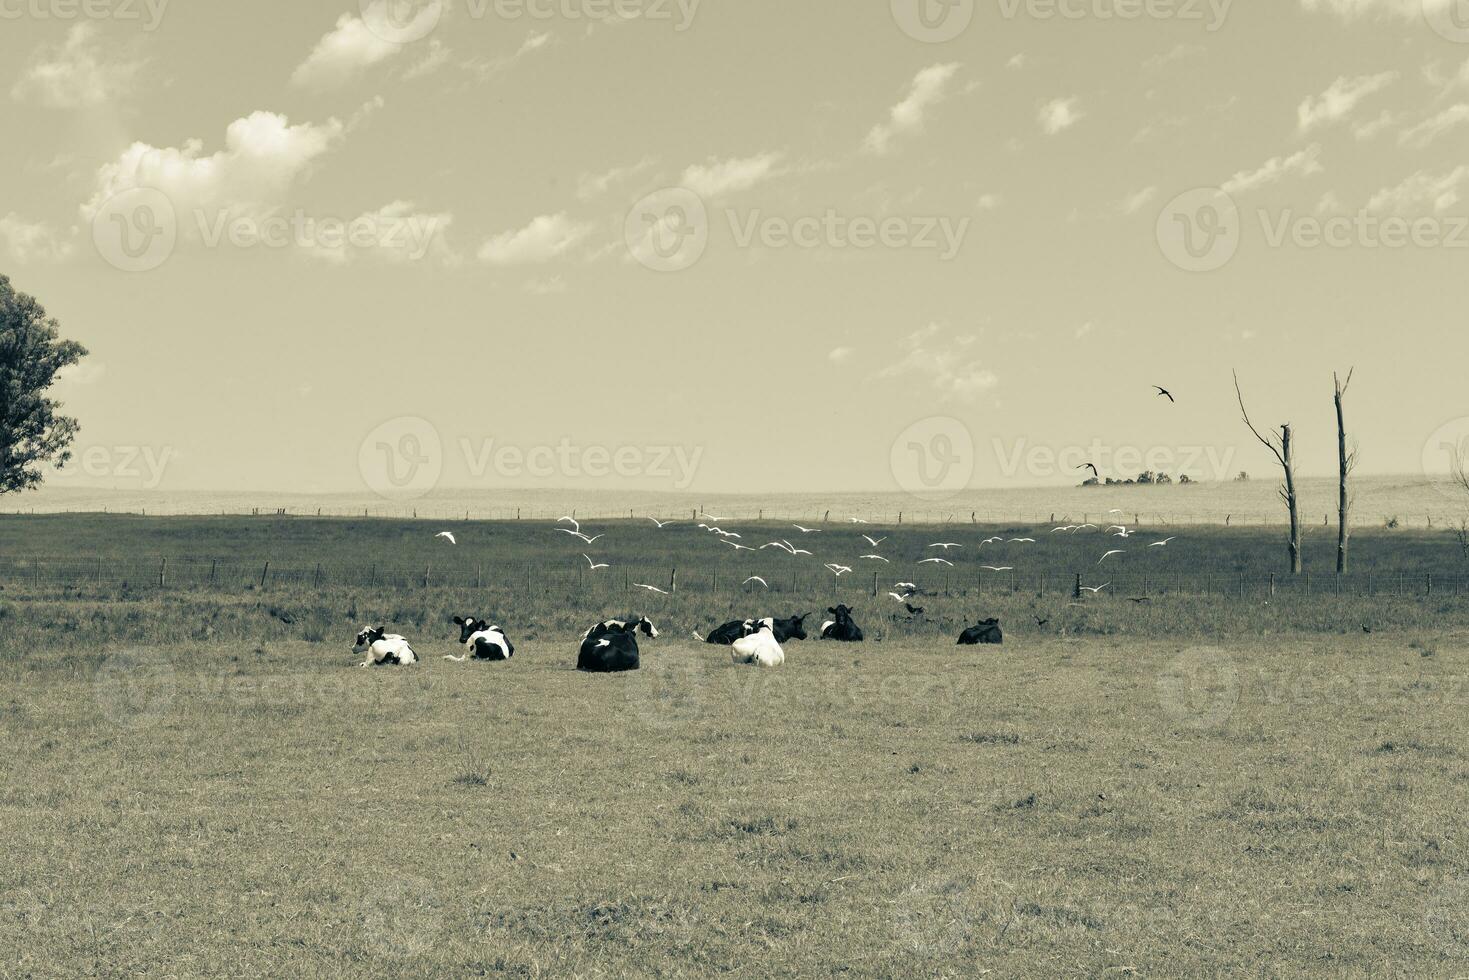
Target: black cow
[(481, 640), (640, 624), (793, 628), (610, 650), (840, 627), (986, 632), (727, 634), (786, 629)]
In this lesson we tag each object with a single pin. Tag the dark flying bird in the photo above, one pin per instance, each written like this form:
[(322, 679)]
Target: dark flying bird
[(1092, 467), (1164, 392)]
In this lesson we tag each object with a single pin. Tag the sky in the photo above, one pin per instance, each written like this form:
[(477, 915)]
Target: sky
[(738, 247)]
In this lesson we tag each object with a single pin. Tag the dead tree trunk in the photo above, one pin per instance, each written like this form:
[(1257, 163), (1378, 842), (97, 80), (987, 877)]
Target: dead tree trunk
[(1283, 448), (1347, 462)]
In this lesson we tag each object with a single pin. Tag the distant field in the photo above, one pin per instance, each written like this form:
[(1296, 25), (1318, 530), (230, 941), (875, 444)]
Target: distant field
[(1215, 781), (1053, 807)]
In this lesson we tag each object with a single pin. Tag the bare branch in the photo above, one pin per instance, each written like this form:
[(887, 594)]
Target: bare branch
[(1267, 443)]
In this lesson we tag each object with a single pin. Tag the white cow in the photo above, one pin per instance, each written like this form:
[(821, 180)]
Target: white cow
[(759, 648)]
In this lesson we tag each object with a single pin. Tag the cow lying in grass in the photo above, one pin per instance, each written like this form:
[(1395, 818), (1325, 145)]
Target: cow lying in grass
[(481, 640), (783, 630), (841, 627), (610, 649), (639, 624), (759, 648), (383, 649), (987, 631)]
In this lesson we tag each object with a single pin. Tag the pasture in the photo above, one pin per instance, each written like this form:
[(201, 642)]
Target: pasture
[(198, 780)]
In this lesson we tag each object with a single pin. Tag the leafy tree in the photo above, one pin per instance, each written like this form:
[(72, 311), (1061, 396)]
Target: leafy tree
[(32, 434)]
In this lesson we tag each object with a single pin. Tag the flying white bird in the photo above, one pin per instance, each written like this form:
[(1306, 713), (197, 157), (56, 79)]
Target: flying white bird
[(1086, 527), (795, 550), (726, 534), (873, 541), (447, 536), (991, 541), (901, 598), (858, 520), (1109, 555), (776, 544), (650, 588), (875, 558), (1117, 527), (1163, 543), (570, 520), (710, 516), (578, 534), (594, 565), (911, 587), (838, 570), (991, 568), (737, 546), (756, 578), (661, 524), (1068, 529), (946, 545), (936, 561), (1087, 588), (1115, 510), (1124, 533), (1022, 540), (807, 530)]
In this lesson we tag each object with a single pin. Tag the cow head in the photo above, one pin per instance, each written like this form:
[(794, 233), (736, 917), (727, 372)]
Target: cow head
[(367, 638), (644, 625), (840, 613), (468, 626), (790, 629)]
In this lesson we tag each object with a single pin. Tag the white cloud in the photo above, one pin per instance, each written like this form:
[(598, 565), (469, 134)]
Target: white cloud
[(1085, 330), (840, 355), (1341, 99), (1180, 52), (1420, 191), (720, 177), (1133, 203), (553, 286), (437, 57), (396, 233), (352, 47), (263, 155), (1435, 126), (25, 241), (1369, 130), (590, 186), (1058, 115), (542, 240), (1300, 164), (83, 372), (988, 202), (75, 74), (943, 367), (927, 90), (1016, 62)]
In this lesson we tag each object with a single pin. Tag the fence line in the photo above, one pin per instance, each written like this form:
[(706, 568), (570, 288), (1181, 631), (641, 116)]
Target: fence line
[(170, 573)]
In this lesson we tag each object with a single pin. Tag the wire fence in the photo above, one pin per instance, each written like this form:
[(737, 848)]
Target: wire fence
[(650, 580), (878, 518)]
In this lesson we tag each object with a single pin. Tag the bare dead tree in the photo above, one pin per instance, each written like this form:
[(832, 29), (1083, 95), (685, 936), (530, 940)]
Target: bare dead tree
[(1283, 448), (1347, 460)]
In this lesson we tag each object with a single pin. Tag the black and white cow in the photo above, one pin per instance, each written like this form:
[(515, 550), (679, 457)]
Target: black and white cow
[(481, 640), (383, 649), (639, 624), (987, 631), (783, 630), (610, 649), (840, 627)]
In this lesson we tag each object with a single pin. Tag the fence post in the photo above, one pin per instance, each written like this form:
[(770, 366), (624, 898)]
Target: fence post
[(263, 573), (213, 567), (673, 582), (163, 573), (874, 585), (1272, 585), (1077, 594), (1430, 583), (316, 578)]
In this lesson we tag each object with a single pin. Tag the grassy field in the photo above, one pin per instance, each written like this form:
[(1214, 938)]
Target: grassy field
[(199, 781)]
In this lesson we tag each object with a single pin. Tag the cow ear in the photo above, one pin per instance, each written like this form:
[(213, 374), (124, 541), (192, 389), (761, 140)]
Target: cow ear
[(458, 620)]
